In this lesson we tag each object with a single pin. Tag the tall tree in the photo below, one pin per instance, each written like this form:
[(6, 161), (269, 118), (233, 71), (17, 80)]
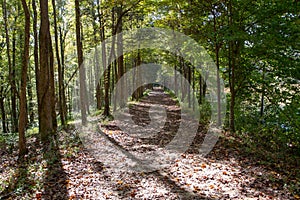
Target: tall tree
[(232, 53), (2, 98), (60, 72), (25, 61), (12, 73), (82, 75), (99, 91), (45, 90), (36, 48), (120, 54), (10, 69), (63, 31), (109, 64)]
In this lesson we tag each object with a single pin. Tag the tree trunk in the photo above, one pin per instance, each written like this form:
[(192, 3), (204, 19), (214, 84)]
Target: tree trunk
[(107, 71), (60, 72), (114, 80), (11, 77), (13, 84), (25, 60), (36, 50), (30, 103), (120, 57), (200, 89), (262, 95), (189, 78), (2, 108), (52, 85), (115, 27), (175, 80), (103, 47), (231, 59), (232, 117), (62, 53), (218, 71), (139, 76), (80, 65), (44, 88)]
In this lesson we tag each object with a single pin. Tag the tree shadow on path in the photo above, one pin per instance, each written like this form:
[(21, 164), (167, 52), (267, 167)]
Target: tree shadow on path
[(165, 179), (55, 182)]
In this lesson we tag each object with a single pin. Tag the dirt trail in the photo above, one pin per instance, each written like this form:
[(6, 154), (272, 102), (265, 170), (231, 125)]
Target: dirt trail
[(223, 174)]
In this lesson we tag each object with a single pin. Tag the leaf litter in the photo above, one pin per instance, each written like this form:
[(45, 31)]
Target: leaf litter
[(225, 173)]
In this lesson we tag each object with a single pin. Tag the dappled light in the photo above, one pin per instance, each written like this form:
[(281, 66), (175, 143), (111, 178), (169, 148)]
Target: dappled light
[(147, 99)]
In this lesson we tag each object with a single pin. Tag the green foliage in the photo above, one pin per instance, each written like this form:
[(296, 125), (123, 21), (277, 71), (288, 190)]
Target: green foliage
[(171, 94), (205, 112)]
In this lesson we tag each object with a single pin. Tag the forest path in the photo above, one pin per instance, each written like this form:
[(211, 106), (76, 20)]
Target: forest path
[(79, 173), (224, 174)]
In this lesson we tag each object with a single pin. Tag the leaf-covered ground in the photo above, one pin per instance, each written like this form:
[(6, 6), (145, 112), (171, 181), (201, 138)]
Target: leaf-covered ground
[(66, 169)]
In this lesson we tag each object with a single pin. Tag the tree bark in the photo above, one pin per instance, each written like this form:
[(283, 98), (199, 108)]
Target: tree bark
[(36, 50), (2, 108), (25, 60), (120, 57), (217, 49), (107, 71), (231, 59), (139, 76), (60, 72), (80, 65), (262, 105), (30, 102), (44, 88), (13, 83), (99, 90), (62, 37), (11, 71), (52, 85)]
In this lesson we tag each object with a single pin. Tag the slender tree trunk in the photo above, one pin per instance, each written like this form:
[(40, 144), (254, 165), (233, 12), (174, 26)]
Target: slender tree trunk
[(219, 121), (30, 103), (175, 80), (11, 75), (103, 47), (262, 95), (189, 78), (183, 72), (2, 108), (231, 59), (139, 76), (200, 89), (36, 51), (104, 63), (60, 72), (193, 86), (85, 74), (3, 115), (107, 71), (120, 56), (232, 117), (80, 65), (2, 104), (52, 84), (114, 80), (134, 82), (218, 71), (25, 60), (62, 53), (13, 84), (91, 85)]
